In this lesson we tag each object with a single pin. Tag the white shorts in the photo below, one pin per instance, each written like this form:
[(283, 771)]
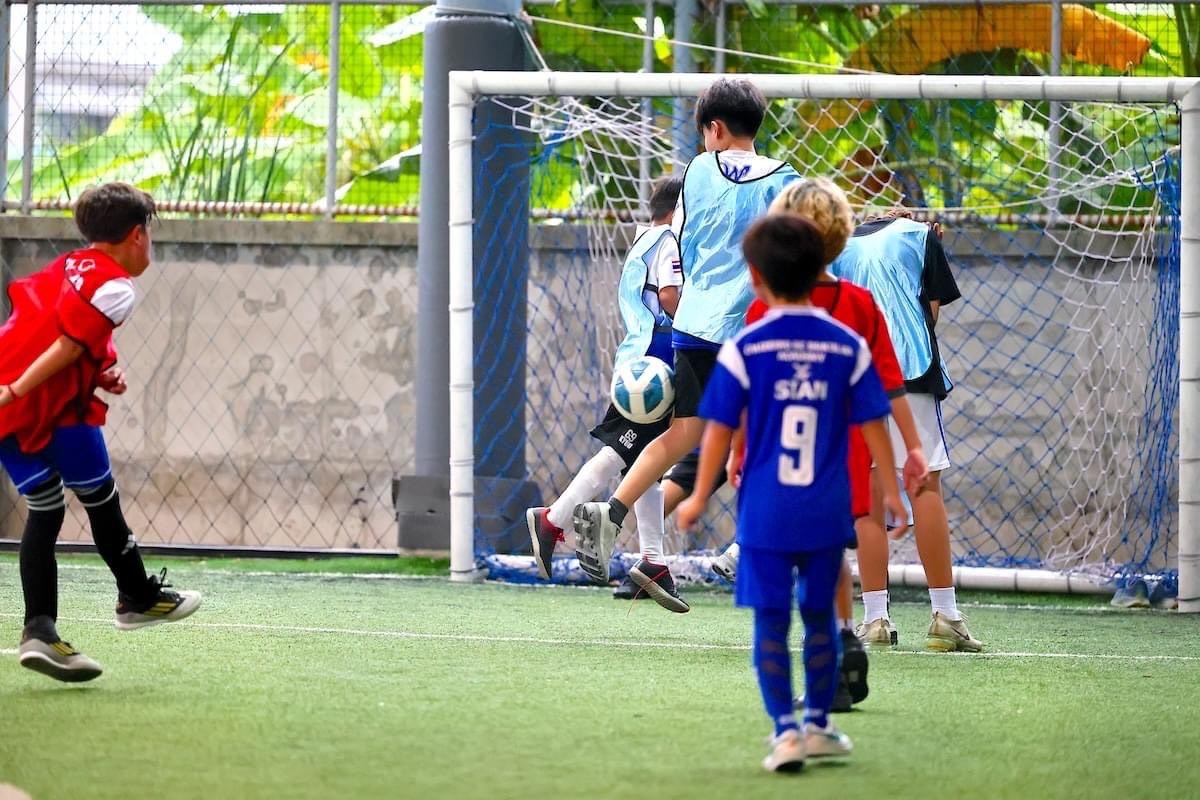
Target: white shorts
[(927, 413)]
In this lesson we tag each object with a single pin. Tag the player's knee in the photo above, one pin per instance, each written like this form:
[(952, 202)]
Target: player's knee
[(47, 497), (93, 496)]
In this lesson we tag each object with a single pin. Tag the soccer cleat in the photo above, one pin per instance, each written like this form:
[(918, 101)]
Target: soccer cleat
[(787, 752), (878, 633), (842, 701), (628, 590), (854, 668), (164, 605), (656, 581), (595, 537), (726, 564), (826, 742), (947, 635), (43, 651), (543, 535)]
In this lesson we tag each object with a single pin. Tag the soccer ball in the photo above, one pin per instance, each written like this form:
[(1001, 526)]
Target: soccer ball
[(643, 390)]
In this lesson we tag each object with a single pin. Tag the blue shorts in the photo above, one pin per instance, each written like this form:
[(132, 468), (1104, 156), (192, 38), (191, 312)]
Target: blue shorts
[(77, 454), (775, 579)]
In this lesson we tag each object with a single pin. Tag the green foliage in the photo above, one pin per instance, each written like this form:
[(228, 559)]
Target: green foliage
[(240, 112)]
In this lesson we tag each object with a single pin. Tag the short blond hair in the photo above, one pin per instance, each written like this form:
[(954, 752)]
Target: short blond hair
[(825, 205)]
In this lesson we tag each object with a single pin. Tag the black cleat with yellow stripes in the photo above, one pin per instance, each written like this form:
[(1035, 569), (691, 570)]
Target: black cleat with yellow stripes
[(162, 604)]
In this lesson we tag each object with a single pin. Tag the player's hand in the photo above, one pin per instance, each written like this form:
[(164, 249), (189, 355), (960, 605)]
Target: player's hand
[(936, 228), (113, 381), (733, 466), (916, 472), (6, 396), (892, 503), (688, 513)]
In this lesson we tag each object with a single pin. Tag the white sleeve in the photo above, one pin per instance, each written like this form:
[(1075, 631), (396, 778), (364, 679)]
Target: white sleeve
[(115, 300), (665, 269)]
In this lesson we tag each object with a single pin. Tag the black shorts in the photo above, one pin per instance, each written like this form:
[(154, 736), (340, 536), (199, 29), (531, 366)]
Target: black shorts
[(693, 368), (629, 439), (684, 473)]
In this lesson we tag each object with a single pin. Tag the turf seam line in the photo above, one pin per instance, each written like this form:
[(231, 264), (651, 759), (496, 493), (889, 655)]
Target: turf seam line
[(463, 637)]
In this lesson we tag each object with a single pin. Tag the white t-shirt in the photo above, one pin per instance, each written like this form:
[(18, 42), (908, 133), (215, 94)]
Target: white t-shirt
[(115, 300), (665, 268)]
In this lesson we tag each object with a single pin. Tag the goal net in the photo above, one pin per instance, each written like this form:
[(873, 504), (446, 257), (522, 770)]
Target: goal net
[(1060, 211)]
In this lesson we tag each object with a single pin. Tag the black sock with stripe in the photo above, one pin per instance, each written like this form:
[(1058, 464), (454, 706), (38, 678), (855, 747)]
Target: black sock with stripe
[(115, 541), (39, 569)]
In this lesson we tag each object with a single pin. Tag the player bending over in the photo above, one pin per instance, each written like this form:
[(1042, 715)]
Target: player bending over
[(724, 189), (56, 350), (799, 379), (903, 264), (647, 295)]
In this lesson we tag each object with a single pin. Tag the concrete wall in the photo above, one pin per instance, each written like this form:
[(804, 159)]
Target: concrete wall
[(271, 379)]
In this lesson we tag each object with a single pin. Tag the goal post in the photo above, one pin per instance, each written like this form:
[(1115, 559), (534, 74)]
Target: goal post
[(1047, 328)]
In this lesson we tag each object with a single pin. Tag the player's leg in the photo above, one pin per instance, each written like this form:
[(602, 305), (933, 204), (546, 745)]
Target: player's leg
[(819, 571), (597, 524), (41, 648), (853, 685), (546, 524), (766, 587), (81, 456), (876, 629), (947, 631), (651, 573)]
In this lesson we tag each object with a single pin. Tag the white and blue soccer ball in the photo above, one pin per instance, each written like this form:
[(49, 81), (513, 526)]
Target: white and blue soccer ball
[(643, 390)]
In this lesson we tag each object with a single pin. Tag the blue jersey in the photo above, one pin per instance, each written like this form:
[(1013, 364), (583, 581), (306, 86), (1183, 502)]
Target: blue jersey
[(647, 326), (892, 260), (803, 378), (723, 193)]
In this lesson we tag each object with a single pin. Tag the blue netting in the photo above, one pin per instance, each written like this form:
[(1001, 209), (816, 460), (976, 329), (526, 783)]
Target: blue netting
[(1064, 349)]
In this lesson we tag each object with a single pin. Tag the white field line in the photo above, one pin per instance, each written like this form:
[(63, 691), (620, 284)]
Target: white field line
[(632, 644), (8, 652)]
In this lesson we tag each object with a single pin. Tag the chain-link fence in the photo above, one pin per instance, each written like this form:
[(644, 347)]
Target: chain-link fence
[(272, 352)]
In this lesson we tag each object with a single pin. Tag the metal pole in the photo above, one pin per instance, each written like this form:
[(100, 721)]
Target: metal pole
[(1056, 109), (721, 37), (647, 105), (5, 32), (29, 107), (683, 132), (1189, 357), (461, 295), (331, 132)]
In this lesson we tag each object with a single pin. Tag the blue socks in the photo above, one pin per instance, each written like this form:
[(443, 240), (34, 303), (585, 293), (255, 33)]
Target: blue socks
[(773, 664), (822, 652)]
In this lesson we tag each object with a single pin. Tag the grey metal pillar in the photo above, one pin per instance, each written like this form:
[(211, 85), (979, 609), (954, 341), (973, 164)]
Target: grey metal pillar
[(468, 34)]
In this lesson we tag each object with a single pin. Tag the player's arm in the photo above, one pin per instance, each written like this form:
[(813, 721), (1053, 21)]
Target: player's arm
[(938, 284), (713, 449), (916, 467), (668, 274), (56, 357), (737, 454), (880, 446)]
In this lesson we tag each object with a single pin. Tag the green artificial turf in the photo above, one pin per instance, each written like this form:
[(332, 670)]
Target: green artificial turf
[(330, 686)]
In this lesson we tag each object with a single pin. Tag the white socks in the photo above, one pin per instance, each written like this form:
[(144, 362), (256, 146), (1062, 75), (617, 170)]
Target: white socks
[(601, 470), (649, 512), (943, 600), (875, 605)]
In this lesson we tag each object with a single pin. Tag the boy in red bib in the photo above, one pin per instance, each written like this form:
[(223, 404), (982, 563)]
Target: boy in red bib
[(56, 350)]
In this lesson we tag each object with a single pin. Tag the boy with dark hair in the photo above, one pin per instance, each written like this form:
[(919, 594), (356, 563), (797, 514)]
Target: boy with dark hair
[(800, 379), (724, 189), (56, 350), (647, 294)]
